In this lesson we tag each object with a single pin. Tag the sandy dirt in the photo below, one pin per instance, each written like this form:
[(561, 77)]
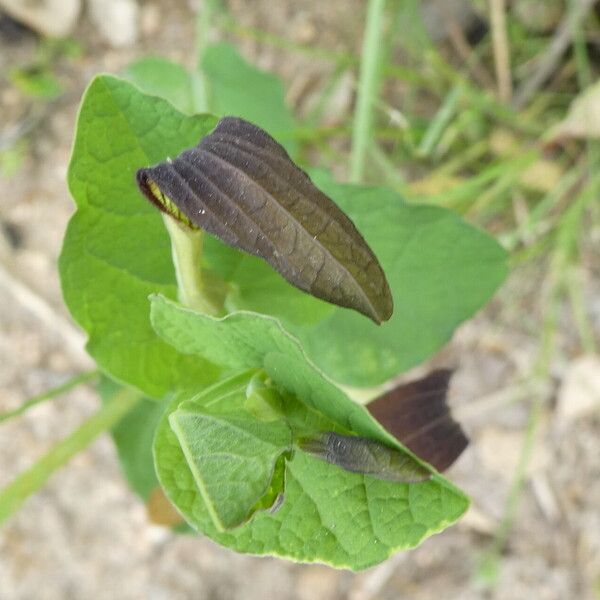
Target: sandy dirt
[(86, 536)]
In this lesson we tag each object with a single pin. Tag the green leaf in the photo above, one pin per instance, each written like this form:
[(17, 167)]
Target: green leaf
[(240, 89), (232, 457), (116, 250), (236, 88), (329, 514), (133, 436), (441, 270), (159, 76), (37, 82), (246, 340)]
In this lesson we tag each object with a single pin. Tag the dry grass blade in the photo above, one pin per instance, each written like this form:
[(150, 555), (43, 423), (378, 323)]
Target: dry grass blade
[(558, 46), (501, 49)]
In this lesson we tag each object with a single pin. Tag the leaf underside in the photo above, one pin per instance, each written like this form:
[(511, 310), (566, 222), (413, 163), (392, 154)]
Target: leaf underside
[(233, 458), (316, 512), (240, 185), (116, 252)]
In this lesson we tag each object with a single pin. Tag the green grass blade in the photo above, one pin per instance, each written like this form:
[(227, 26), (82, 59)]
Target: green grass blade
[(368, 87), (30, 481), (53, 393)]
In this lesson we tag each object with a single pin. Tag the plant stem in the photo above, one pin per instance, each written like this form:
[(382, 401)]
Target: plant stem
[(439, 123), (200, 86), (368, 88), (186, 244), (57, 391), (186, 247), (13, 495), (501, 49)]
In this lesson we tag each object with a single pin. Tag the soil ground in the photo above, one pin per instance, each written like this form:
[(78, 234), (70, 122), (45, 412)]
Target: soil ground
[(86, 536)]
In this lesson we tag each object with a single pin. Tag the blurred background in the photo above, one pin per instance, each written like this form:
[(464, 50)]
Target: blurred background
[(490, 108)]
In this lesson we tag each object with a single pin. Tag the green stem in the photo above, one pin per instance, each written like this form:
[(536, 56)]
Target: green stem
[(368, 88), (186, 244), (492, 557), (57, 391), (439, 123), (186, 247), (200, 86), (13, 495)]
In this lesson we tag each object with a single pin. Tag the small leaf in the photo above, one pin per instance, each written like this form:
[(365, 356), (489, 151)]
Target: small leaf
[(313, 511), (365, 456), (240, 185), (232, 458)]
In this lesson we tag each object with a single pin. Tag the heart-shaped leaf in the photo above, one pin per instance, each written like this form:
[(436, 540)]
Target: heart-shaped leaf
[(232, 456), (328, 514), (116, 250)]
